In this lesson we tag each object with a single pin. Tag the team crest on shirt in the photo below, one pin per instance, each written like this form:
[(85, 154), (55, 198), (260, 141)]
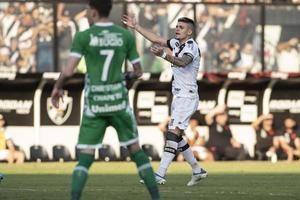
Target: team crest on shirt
[(60, 115), (191, 46)]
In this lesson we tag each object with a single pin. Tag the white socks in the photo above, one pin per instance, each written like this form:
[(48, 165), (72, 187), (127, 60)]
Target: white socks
[(189, 156), (167, 157)]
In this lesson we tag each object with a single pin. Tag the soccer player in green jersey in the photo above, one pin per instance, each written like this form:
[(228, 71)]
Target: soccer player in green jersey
[(105, 47)]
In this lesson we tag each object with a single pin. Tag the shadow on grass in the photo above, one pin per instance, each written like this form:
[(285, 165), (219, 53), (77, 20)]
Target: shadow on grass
[(127, 187)]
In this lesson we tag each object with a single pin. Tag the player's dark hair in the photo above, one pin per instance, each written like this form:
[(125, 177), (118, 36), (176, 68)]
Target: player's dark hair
[(102, 6), (188, 21)]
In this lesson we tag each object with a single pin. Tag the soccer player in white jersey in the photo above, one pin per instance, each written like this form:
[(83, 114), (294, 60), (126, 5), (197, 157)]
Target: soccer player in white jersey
[(185, 61)]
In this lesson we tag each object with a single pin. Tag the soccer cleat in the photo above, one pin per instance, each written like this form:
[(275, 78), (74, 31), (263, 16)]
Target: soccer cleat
[(197, 177), (159, 179)]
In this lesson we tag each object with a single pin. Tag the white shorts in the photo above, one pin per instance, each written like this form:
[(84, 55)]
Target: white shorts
[(4, 154), (182, 109)]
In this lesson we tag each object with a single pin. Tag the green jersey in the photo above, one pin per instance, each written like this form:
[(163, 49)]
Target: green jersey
[(105, 47)]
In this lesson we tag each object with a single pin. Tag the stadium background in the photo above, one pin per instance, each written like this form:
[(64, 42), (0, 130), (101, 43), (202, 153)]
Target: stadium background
[(35, 39)]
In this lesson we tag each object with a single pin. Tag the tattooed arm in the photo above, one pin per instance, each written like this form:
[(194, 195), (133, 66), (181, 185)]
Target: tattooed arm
[(179, 62), (176, 61)]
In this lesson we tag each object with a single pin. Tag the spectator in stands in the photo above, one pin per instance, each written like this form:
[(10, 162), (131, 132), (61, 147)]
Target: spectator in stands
[(148, 18), (4, 59), (27, 33), (66, 29), (267, 140), (247, 59), (8, 151), (290, 139), (288, 56), (221, 142), (44, 53), (228, 57), (10, 27), (196, 139)]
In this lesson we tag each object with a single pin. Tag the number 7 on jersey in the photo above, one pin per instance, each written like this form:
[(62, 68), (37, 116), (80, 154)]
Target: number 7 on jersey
[(109, 55)]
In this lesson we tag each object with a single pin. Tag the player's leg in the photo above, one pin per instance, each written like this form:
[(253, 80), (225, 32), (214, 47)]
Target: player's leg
[(198, 172), (144, 168), (172, 139), (90, 137), (184, 112), (6, 155), (168, 155), (124, 123), (19, 156)]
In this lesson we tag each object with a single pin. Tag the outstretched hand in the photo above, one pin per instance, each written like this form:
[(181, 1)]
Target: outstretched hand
[(129, 21), (157, 50)]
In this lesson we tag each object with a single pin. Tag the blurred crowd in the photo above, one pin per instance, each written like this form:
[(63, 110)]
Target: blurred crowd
[(27, 35), (271, 142), (25, 28), (229, 35)]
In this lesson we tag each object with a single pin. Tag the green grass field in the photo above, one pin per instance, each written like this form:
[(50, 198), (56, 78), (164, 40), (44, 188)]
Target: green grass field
[(118, 180)]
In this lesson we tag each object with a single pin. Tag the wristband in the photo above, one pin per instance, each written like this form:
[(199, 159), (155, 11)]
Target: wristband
[(164, 55)]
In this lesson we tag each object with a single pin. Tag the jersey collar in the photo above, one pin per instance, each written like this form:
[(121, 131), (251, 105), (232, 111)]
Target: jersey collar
[(104, 24)]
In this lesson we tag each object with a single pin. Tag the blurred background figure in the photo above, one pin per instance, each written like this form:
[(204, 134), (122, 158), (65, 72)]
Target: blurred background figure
[(247, 59), (66, 30), (228, 57), (290, 139), (288, 56), (8, 151), (221, 142), (267, 140), (196, 139)]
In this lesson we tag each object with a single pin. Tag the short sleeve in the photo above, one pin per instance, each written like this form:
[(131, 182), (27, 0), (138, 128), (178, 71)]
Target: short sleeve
[(172, 43), (132, 54), (77, 49), (191, 49)]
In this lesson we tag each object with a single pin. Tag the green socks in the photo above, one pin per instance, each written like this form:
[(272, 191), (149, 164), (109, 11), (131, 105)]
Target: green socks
[(80, 174), (146, 173)]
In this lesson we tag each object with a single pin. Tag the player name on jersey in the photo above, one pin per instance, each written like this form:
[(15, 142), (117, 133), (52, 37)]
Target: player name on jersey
[(106, 88), (106, 39)]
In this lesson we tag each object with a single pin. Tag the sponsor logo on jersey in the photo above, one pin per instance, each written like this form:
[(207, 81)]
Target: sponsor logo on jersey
[(20, 106), (106, 40), (60, 115), (108, 108)]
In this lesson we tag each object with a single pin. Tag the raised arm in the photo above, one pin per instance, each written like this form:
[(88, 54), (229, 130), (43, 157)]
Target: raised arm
[(132, 23), (209, 117), (259, 120)]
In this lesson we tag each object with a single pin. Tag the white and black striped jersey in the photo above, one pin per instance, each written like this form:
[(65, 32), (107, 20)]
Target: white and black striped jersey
[(185, 78)]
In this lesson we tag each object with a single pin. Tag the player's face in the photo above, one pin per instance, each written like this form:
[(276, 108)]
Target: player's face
[(91, 14), (183, 31)]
